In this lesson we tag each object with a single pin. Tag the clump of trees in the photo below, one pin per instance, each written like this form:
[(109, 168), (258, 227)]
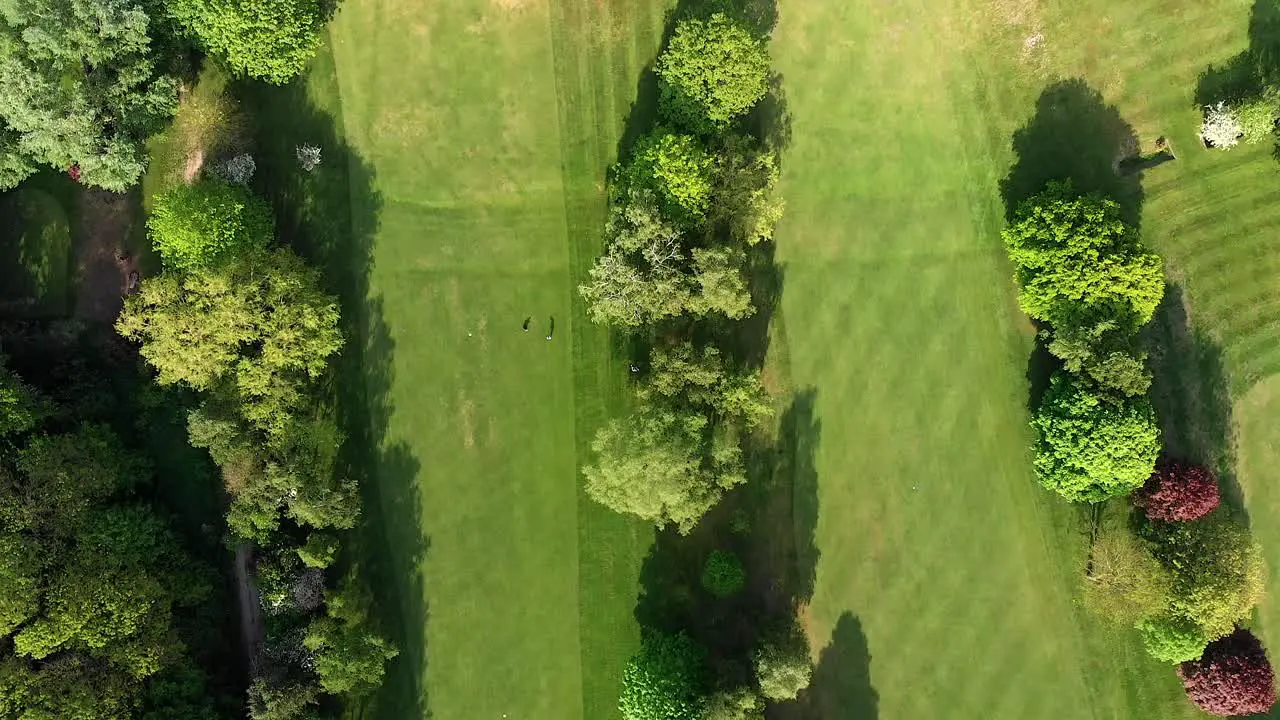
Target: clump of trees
[(1233, 678), (95, 585), (1178, 567), (82, 85), (248, 326), (689, 208)]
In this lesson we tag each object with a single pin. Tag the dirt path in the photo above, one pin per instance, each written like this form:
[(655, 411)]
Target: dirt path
[(250, 607), (104, 262)]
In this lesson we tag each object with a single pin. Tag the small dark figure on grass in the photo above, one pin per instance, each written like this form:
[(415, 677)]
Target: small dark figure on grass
[(1232, 678), (1178, 493), (552, 331), (525, 326)]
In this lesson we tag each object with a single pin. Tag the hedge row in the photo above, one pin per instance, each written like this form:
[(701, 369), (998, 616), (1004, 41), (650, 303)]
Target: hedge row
[(1182, 569)]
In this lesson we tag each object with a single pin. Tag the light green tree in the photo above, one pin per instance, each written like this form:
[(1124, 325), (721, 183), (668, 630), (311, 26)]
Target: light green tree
[(193, 226), (1093, 445), (1172, 638), (783, 667), (350, 657), (746, 202), (740, 704), (271, 40), (713, 71), (676, 167), (1078, 263), (660, 466)]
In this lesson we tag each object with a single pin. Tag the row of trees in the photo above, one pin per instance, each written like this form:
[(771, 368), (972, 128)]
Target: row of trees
[(1183, 570), (247, 326), (100, 601), (84, 83), (687, 212)]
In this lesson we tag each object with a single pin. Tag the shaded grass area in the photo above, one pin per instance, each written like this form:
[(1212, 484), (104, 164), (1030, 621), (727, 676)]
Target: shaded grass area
[(37, 265)]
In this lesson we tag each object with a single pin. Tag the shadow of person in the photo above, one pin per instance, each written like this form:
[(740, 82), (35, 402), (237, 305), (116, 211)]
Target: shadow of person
[(841, 688)]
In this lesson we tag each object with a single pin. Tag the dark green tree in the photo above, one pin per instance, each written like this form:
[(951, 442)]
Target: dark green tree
[(665, 680), (723, 575)]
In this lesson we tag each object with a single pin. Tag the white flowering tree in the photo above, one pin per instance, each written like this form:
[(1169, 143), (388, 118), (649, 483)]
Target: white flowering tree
[(1221, 128), (308, 156)]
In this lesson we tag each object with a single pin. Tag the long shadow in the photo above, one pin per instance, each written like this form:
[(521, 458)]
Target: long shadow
[(1246, 75), (841, 688), (1075, 135), (330, 215), (1192, 394)]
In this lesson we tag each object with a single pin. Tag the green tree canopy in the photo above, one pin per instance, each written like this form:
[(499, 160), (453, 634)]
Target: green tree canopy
[(1078, 263), (648, 273), (258, 323), (20, 406), (702, 379), (79, 86), (712, 71), (350, 657), (193, 226), (740, 704), (1216, 567), (665, 680), (1173, 638), (271, 40), (722, 574), (676, 167), (783, 667), (746, 203), (1093, 445), (660, 466)]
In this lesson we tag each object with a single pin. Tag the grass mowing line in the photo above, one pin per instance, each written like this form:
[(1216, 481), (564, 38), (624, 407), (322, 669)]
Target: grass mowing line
[(931, 528), (596, 76)]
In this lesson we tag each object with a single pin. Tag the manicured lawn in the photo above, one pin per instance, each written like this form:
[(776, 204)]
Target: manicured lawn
[(462, 191), (900, 318)]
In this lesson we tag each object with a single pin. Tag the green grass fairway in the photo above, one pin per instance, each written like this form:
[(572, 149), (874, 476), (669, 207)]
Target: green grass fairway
[(483, 129), (901, 318)]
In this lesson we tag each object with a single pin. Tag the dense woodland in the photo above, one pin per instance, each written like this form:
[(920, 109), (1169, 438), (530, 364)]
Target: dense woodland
[(212, 385)]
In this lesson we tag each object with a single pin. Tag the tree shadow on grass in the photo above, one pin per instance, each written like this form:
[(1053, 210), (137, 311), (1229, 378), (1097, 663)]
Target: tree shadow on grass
[(1192, 395), (841, 688), (1075, 135), (769, 524), (330, 215), (1246, 75)]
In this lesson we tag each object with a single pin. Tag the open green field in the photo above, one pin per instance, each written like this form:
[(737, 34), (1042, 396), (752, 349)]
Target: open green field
[(474, 138), (900, 317), (466, 144)]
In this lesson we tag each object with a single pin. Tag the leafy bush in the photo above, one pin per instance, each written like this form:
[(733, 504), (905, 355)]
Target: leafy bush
[(1105, 352), (239, 169), (1232, 678), (1125, 582), (1221, 127), (1178, 493), (1091, 445), (678, 168), (723, 575), (740, 704), (349, 656), (192, 226), (783, 667), (271, 40), (712, 71), (1216, 569), (15, 166), (1077, 263), (319, 550), (1173, 639), (665, 680), (1257, 120)]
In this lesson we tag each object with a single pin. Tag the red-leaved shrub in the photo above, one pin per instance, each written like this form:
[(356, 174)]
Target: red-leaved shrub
[(1178, 493), (1232, 678)]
